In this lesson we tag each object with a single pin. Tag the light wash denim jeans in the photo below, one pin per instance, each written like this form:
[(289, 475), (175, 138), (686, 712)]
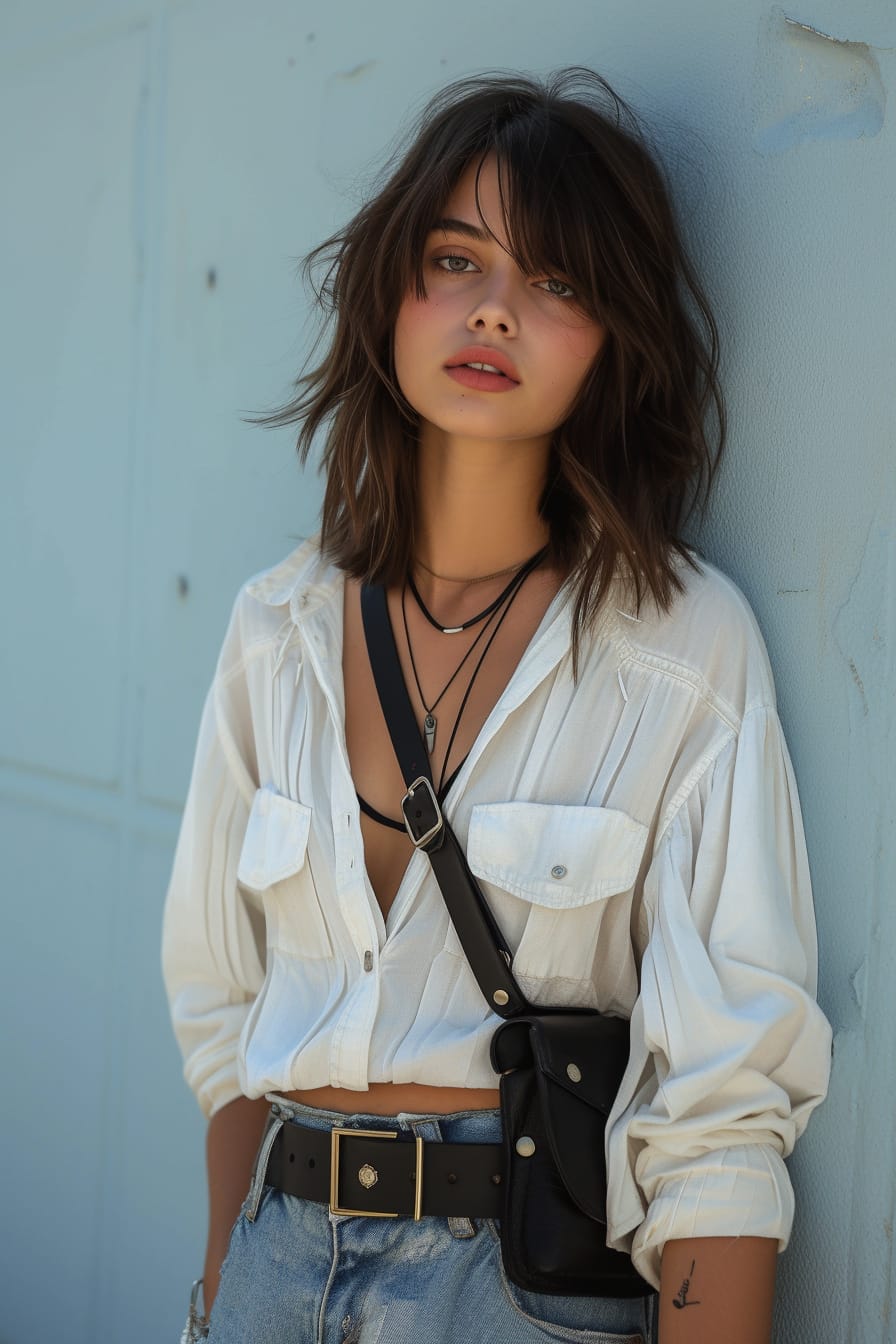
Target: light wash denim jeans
[(296, 1273)]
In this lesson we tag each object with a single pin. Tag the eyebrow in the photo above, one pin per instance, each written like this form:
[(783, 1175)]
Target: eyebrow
[(463, 227)]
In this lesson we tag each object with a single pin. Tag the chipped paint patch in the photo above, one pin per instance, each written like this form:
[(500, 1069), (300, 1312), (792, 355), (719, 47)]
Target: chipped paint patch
[(810, 86), (817, 31)]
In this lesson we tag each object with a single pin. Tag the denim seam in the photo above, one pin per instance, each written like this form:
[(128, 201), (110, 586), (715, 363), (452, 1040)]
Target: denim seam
[(322, 1315)]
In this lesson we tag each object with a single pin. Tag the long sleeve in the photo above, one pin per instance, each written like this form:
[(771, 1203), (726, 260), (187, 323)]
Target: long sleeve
[(213, 938), (727, 1006)]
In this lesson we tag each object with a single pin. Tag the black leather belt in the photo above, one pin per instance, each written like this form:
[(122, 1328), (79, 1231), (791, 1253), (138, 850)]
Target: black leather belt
[(387, 1174)]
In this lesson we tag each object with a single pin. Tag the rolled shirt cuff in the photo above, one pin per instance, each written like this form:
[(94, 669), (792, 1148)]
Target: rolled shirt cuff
[(209, 1045), (743, 1191)]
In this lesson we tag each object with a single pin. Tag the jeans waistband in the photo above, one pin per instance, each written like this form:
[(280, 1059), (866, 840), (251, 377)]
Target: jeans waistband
[(476, 1126)]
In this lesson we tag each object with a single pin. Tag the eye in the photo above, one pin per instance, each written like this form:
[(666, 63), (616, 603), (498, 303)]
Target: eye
[(570, 292), (449, 257)]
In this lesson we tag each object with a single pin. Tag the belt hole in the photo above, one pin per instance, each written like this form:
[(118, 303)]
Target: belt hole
[(292, 1157), (311, 1161)]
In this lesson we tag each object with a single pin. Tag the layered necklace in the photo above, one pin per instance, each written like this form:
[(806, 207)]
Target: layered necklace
[(487, 615)]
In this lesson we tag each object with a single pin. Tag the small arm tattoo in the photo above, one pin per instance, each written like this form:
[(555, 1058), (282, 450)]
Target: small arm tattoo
[(681, 1300)]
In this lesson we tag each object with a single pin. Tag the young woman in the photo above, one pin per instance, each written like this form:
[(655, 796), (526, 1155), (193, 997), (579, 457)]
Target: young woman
[(513, 402)]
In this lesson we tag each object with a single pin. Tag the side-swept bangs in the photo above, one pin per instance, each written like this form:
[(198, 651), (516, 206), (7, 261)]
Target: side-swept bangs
[(584, 199), (549, 182)]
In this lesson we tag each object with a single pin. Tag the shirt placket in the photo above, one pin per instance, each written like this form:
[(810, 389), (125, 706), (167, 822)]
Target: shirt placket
[(350, 1048)]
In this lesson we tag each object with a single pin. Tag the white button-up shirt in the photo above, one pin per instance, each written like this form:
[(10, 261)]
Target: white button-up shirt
[(637, 835)]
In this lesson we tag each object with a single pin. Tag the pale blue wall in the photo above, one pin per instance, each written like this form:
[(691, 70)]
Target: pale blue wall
[(141, 149)]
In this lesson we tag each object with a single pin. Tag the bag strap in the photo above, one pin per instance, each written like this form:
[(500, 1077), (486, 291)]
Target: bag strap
[(479, 934)]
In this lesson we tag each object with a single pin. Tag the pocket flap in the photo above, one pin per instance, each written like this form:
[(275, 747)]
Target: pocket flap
[(275, 842), (554, 854)]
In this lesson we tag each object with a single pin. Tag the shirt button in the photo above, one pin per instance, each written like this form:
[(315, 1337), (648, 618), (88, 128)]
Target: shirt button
[(558, 870), (368, 960)]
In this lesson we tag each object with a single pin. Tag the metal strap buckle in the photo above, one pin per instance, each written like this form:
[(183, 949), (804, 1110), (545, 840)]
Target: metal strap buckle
[(335, 1136), (432, 801)]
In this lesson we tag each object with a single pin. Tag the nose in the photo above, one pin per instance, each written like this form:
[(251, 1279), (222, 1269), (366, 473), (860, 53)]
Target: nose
[(493, 309)]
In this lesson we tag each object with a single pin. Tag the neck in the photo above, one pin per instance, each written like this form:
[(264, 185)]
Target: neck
[(477, 508)]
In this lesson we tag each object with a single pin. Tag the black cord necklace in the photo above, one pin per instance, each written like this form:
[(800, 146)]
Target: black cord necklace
[(430, 722), (473, 678), (524, 569)]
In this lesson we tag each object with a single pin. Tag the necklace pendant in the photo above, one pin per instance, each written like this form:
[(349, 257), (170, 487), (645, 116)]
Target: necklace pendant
[(429, 729)]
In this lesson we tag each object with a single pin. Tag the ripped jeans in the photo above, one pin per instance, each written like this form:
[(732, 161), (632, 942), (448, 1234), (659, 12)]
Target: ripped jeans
[(296, 1274)]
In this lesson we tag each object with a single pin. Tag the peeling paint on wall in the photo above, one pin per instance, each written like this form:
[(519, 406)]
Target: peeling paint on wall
[(813, 86)]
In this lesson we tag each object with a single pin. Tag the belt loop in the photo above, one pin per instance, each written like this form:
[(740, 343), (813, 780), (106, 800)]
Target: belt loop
[(259, 1170)]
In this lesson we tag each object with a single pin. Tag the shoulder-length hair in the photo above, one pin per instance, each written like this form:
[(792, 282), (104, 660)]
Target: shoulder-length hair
[(582, 195)]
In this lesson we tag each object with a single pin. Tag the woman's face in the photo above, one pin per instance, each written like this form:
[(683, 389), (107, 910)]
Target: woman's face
[(478, 296)]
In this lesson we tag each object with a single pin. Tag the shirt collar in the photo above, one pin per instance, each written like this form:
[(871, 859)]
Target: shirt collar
[(308, 583), (302, 580)]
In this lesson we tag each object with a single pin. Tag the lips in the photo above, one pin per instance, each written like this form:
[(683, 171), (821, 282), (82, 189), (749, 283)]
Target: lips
[(484, 354)]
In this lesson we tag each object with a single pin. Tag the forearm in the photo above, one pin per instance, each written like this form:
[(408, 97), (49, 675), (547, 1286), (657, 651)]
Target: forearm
[(234, 1134), (716, 1289)]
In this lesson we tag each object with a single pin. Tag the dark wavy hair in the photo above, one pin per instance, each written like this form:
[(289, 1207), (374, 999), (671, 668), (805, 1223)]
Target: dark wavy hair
[(585, 198)]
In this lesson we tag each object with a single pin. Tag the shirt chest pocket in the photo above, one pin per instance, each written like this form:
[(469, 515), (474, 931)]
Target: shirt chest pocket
[(274, 864), (559, 864)]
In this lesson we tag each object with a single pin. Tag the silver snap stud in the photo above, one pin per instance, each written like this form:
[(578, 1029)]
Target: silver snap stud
[(501, 996), (558, 870), (574, 1072), (525, 1146)]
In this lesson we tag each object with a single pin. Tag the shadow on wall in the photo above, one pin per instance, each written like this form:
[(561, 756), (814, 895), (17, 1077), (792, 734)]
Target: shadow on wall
[(812, 86)]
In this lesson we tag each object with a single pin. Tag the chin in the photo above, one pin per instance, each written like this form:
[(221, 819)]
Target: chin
[(473, 419)]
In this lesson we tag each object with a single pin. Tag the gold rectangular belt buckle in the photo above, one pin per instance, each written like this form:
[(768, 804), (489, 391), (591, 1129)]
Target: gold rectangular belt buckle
[(367, 1176)]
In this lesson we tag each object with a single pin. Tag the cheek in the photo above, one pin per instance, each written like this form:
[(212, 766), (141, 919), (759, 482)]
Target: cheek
[(416, 320), (584, 341), (410, 336), (575, 356)]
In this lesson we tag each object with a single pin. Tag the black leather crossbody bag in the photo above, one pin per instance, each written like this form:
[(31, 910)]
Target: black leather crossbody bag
[(560, 1067)]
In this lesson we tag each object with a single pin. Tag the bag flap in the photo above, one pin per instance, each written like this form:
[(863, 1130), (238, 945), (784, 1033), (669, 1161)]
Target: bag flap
[(579, 1060), (583, 1053)]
